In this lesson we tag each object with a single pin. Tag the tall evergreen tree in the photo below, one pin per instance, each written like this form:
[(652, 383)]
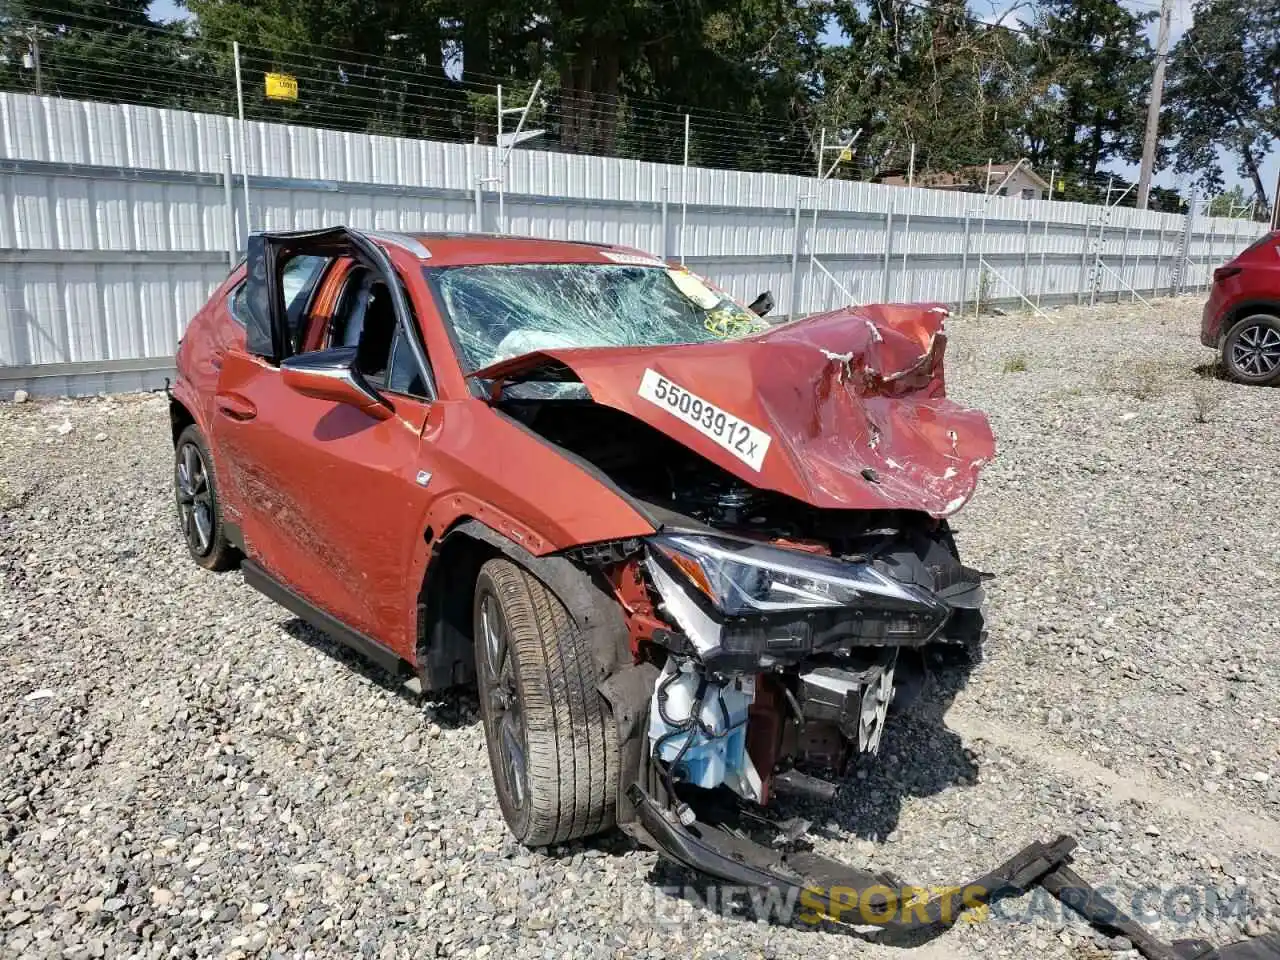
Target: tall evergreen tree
[(1092, 68), (1224, 92), (95, 50)]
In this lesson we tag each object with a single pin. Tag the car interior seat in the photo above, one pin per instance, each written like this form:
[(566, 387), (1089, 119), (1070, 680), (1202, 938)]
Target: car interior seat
[(365, 319)]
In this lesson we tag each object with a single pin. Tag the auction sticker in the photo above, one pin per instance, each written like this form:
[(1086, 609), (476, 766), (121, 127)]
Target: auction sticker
[(749, 444)]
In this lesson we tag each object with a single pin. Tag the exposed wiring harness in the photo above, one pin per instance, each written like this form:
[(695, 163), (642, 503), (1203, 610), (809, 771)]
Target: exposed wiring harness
[(689, 728)]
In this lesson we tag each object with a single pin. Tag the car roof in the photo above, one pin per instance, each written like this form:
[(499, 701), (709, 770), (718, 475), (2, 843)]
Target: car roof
[(465, 249)]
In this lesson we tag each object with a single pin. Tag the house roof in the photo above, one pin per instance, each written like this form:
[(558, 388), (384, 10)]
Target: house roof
[(968, 177)]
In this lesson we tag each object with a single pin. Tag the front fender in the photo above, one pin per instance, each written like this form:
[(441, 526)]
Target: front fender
[(444, 602)]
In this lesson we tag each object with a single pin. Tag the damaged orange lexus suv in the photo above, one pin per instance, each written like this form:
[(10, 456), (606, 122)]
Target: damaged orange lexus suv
[(689, 558)]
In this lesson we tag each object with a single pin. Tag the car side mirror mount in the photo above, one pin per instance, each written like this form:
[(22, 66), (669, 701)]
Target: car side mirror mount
[(332, 375), (762, 304)]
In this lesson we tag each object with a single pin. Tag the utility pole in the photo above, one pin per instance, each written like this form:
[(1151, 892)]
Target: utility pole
[(1153, 106)]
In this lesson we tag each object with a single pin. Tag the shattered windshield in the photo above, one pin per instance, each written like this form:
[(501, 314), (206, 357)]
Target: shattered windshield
[(497, 311)]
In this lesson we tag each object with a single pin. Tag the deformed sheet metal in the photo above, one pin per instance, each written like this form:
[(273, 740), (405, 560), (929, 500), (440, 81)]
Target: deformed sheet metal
[(853, 405)]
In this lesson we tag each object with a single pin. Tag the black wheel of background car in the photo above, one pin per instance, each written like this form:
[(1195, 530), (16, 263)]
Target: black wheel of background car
[(196, 493), (551, 748), (1251, 351)]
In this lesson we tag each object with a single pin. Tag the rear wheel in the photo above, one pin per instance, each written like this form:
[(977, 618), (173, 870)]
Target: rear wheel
[(1251, 351), (196, 494), (551, 748)]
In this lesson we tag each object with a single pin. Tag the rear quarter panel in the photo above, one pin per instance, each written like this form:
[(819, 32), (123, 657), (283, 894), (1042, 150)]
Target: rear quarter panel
[(209, 335)]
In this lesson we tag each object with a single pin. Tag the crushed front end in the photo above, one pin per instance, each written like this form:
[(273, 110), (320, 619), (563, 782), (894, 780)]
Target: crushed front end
[(802, 567), (798, 582), (779, 662)]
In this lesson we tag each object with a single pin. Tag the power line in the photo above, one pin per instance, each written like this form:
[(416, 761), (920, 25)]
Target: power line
[(370, 90), (361, 59), (587, 103)]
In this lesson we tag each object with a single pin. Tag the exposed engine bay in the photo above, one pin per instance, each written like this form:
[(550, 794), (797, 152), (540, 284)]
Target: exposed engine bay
[(783, 631)]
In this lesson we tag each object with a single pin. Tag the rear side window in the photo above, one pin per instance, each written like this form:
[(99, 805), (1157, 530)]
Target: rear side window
[(298, 279)]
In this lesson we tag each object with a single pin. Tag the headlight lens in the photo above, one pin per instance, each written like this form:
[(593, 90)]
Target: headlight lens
[(745, 579)]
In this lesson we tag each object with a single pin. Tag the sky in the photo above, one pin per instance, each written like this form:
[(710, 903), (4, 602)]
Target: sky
[(991, 10), (164, 10)]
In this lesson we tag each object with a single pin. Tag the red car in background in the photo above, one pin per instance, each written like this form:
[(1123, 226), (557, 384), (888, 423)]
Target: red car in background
[(1242, 317)]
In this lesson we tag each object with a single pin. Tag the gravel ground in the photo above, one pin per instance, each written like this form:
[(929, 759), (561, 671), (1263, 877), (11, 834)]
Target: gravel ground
[(185, 770)]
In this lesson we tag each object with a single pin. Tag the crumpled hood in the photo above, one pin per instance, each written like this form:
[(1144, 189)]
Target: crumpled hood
[(843, 410)]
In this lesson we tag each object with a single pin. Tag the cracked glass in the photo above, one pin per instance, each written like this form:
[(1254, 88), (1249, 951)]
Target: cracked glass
[(498, 311)]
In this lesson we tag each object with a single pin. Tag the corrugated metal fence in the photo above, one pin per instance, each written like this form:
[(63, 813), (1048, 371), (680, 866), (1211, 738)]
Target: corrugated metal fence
[(119, 220)]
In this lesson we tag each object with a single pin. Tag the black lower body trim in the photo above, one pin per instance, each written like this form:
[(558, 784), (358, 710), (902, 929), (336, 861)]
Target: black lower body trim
[(367, 647)]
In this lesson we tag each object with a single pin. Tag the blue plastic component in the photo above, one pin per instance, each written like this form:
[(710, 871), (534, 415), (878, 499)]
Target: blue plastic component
[(709, 759)]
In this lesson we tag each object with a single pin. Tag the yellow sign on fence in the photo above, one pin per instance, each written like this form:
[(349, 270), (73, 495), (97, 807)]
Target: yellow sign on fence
[(282, 86)]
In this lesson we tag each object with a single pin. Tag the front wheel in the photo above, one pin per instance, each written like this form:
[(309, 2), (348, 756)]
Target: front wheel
[(1251, 351), (551, 744)]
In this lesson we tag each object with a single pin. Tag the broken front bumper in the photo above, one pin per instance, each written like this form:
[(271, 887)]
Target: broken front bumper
[(902, 912)]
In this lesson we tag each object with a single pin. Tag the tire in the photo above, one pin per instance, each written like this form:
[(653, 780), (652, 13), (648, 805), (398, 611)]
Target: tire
[(537, 681), (195, 493), (1251, 350)]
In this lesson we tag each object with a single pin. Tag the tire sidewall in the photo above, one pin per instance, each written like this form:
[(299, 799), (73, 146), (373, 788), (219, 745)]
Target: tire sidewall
[(1233, 335), (216, 557), (518, 818)]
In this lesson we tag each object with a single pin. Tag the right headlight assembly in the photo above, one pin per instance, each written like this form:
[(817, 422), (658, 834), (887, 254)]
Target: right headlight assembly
[(757, 599)]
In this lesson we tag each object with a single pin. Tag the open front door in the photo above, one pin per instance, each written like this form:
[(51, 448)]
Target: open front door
[(325, 488), (268, 331)]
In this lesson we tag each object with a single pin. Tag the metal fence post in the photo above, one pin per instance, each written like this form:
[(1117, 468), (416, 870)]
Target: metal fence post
[(1184, 248), (906, 233), (964, 265), (817, 202), (502, 187), (1044, 253), (982, 276), (1103, 218), (794, 309), (684, 195), (1207, 249), (244, 138), (1084, 265), (1155, 272), (1136, 272), (982, 246), (1124, 259), (233, 235), (666, 188), (1026, 257), (477, 185), (888, 253)]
